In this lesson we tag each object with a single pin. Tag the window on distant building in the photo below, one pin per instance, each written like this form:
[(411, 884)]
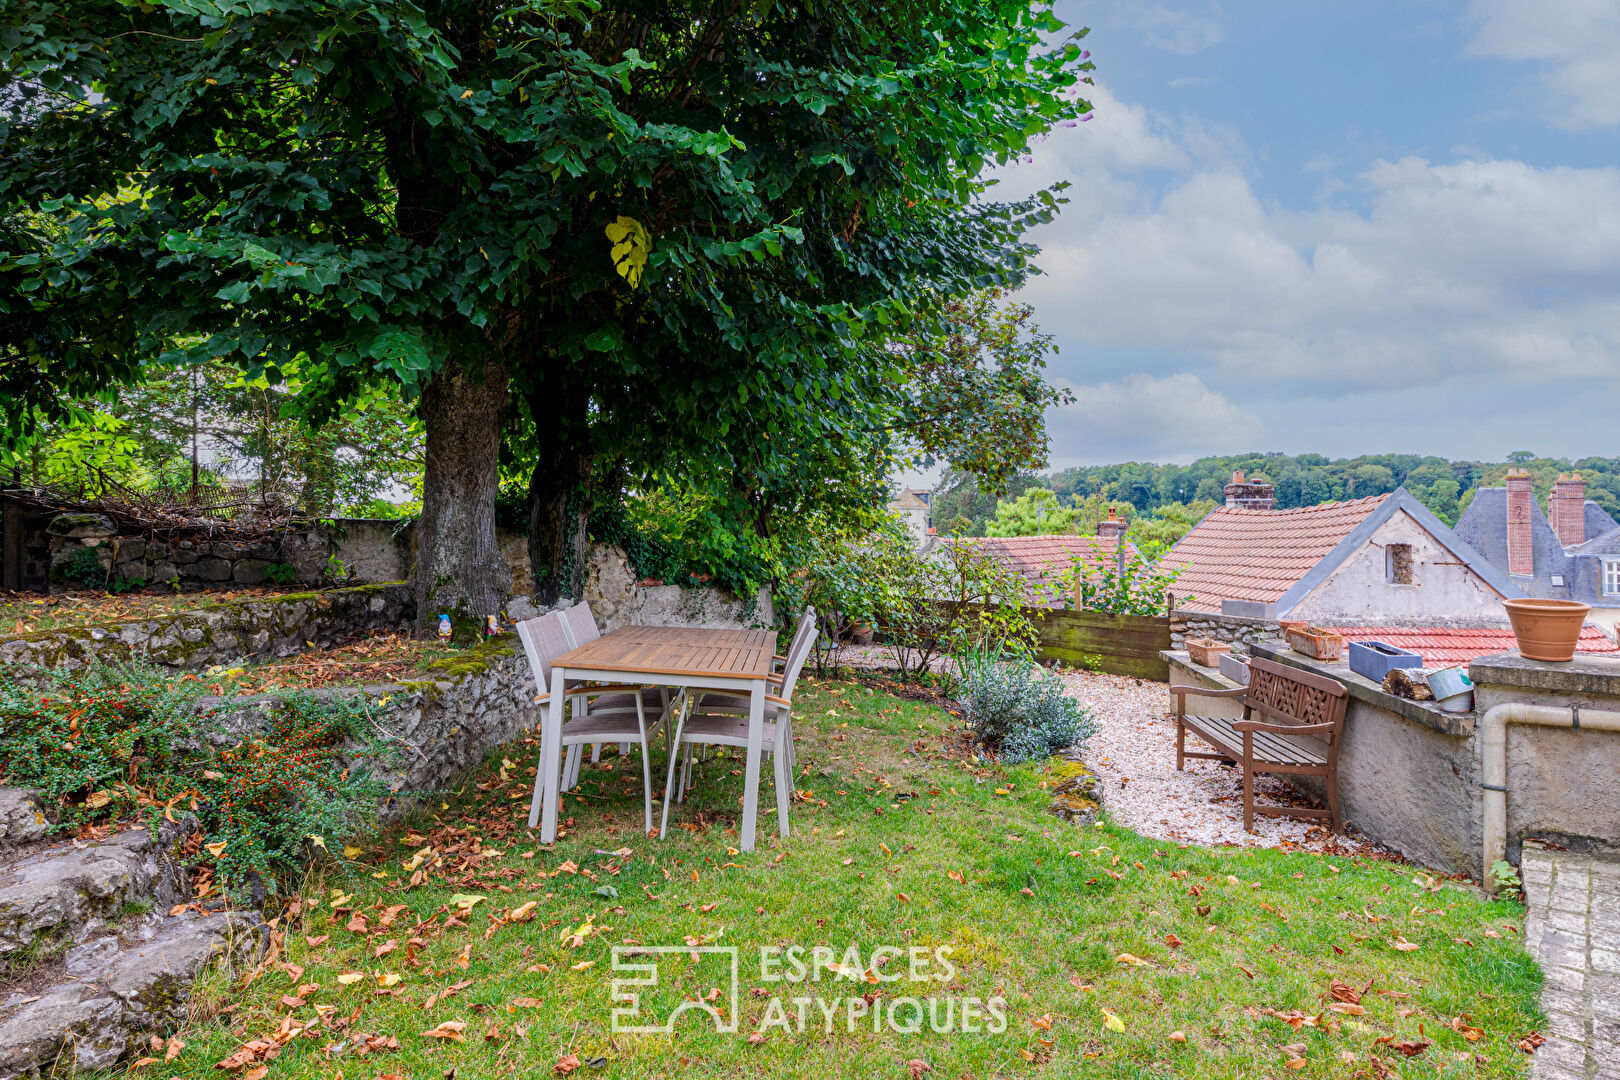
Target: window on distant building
[(1399, 566), (1611, 577)]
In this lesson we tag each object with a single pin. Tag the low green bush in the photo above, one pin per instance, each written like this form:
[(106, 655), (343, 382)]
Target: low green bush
[(104, 743), (1017, 708)]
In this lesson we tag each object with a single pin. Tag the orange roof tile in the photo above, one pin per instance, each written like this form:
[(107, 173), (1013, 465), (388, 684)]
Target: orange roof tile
[(1043, 560), (1461, 645), (1259, 554)]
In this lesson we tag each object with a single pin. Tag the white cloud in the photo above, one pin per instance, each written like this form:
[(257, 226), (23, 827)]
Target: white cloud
[(1178, 30), (1175, 418), (1477, 268), (1577, 41)]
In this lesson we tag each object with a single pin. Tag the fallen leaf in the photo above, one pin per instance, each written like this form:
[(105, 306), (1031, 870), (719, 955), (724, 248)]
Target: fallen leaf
[(450, 1029), (1112, 1022), (565, 1065)]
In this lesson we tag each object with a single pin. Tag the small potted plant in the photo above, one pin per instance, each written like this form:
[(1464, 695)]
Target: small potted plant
[(1206, 652), (1316, 642)]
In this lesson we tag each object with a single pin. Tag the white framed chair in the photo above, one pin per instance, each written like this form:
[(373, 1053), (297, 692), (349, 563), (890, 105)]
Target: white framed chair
[(544, 639), (580, 625), (711, 722)]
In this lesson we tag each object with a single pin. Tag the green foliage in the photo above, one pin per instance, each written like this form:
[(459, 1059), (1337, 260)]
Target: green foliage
[(281, 573), (1017, 708), (104, 743), (925, 606), (377, 196), (1034, 513), (1505, 877), (684, 537), (122, 584), (1103, 583), (83, 567), (976, 397), (1156, 533)]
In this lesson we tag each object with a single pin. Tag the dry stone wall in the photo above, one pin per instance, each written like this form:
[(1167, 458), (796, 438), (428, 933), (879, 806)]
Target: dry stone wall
[(1241, 632), (276, 626)]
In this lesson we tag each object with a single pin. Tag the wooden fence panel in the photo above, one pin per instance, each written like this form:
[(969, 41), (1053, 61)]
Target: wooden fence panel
[(1120, 644)]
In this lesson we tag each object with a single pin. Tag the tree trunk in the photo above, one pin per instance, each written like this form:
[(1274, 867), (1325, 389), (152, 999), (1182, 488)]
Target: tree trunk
[(459, 570), (559, 496)]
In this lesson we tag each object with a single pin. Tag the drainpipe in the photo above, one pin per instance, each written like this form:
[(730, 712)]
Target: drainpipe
[(1494, 725)]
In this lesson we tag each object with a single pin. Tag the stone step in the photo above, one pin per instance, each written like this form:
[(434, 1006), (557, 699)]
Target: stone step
[(22, 818), (100, 1000), (67, 891)]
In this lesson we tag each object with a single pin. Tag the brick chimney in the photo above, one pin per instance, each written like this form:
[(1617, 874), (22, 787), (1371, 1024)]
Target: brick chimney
[(1113, 527), (1566, 509), (1251, 494), (1520, 501)]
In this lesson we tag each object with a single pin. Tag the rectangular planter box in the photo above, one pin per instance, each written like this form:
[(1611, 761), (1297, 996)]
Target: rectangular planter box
[(1375, 659), (1323, 645), (1207, 653), (1234, 669)]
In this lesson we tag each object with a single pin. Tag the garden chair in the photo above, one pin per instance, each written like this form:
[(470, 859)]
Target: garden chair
[(580, 625), (544, 639), (721, 701), (719, 724)]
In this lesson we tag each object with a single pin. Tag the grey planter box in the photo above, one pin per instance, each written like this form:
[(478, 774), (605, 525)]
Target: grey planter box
[(1375, 659), (1234, 669)]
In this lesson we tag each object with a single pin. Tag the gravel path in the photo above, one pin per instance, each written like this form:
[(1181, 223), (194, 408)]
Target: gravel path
[(1133, 755)]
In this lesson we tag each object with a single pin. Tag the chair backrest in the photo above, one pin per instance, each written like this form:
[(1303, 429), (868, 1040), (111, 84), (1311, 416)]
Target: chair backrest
[(801, 633), (795, 664), (581, 624), (1287, 695), (544, 639)]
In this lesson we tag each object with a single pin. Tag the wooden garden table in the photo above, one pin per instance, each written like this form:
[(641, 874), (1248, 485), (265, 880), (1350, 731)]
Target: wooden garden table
[(689, 657)]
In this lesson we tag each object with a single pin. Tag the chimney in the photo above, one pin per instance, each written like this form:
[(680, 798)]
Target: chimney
[(1252, 494), (1113, 527), (1567, 509), (1520, 501)]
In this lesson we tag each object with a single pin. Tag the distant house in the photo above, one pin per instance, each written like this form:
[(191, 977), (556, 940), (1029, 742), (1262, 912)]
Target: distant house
[(1364, 561), (913, 508), (1044, 562), (1569, 552)]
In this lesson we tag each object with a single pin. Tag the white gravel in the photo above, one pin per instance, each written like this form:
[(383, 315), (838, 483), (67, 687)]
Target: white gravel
[(1133, 754)]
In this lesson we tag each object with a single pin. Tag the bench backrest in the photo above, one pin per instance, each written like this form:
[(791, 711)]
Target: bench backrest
[(1287, 695)]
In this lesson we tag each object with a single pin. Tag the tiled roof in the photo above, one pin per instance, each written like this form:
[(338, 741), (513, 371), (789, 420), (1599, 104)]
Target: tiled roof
[(1452, 645), (1043, 560), (907, 500), (1259, 554)]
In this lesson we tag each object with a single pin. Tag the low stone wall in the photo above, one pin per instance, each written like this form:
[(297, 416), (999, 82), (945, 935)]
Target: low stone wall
[(276, 626), (435, 729), (1410, 773), (1241, 632), (618, 599)]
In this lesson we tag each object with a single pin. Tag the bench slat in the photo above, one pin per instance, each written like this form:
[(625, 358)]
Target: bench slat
[(1268, 747)]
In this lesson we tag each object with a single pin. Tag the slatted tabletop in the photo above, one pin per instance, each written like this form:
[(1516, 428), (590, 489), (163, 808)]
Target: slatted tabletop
[(676, 651)]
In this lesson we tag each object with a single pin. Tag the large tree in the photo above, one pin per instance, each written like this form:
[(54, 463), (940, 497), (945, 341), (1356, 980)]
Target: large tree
[(662, 231)]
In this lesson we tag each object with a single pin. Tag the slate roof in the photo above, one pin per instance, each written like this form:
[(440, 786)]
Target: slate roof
[(1043, 560), (1260, 554), (1484, 527), (1453, 645)]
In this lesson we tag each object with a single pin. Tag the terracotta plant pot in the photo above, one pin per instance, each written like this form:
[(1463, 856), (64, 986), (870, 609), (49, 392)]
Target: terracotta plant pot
[(1206, 652), (1316, 642), (1547, 629)]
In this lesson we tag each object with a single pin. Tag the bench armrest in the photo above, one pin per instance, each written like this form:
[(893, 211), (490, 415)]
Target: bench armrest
[(1284, 729)]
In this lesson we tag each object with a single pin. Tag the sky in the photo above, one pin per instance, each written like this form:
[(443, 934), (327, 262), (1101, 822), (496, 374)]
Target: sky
[(1369, 227)]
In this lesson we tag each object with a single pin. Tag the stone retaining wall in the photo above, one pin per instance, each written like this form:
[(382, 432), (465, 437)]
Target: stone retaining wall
[(436, 729), (1240, 631), (277, 626)]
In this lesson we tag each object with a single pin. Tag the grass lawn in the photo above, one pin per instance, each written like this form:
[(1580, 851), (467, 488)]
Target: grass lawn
[(1114, 955)]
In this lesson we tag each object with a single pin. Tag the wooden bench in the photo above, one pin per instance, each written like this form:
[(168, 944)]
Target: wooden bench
[(1303, 722)]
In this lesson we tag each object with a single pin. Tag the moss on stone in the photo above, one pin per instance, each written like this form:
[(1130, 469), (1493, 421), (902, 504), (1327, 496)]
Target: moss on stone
[(476, 660)]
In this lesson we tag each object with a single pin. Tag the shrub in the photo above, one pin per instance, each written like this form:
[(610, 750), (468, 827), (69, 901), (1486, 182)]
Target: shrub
[(281, 573), (1017, 708), (103, 744)]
